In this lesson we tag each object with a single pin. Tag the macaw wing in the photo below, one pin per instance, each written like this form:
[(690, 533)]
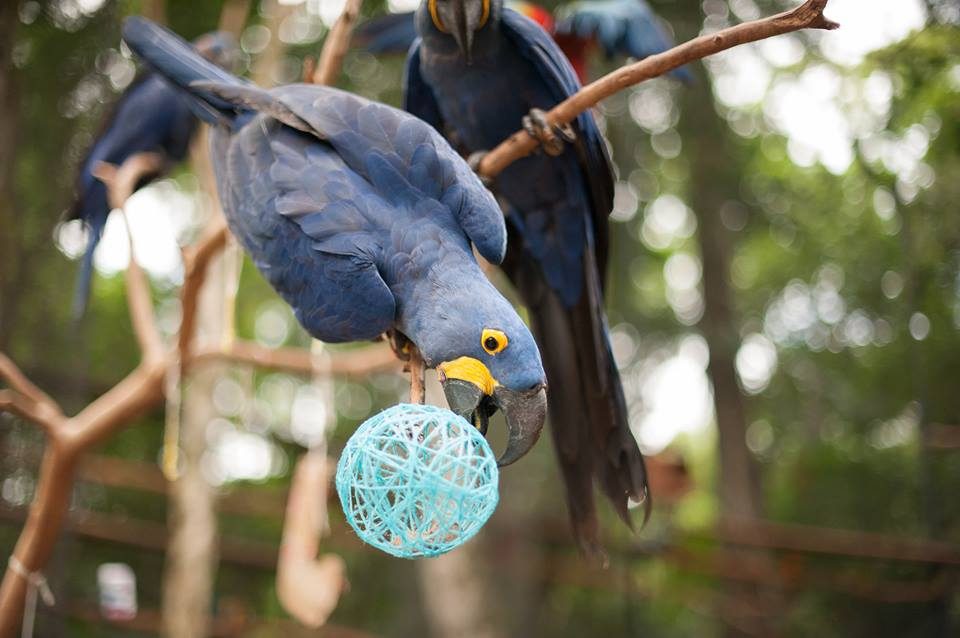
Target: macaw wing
[(396, 152), (555, 71), (622, 27), (390, 34), (303, 216)]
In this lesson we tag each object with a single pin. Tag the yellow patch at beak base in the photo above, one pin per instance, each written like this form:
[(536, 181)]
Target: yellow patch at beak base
[(470, 370)]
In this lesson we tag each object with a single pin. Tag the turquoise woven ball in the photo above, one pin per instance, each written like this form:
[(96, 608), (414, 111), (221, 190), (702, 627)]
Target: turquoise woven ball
[(417, 480)]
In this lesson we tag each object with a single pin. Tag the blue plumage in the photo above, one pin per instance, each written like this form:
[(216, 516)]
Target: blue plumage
[(476, 90), (150, 116), (362, 217), (621, 27)]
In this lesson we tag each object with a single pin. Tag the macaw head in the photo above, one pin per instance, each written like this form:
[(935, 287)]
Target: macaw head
[(486, 360), (460, 19)]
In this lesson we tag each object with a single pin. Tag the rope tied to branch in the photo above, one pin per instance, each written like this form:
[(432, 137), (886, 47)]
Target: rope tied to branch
[(36, 582)]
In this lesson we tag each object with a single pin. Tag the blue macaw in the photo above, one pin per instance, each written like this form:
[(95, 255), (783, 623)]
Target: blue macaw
[(150, 116), (478, 70), (362, 217), (620, 27)]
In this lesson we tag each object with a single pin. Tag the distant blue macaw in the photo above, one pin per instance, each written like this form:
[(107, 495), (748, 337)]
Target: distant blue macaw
[(150, 116), (620, 27), (362, 217), (477, 72)]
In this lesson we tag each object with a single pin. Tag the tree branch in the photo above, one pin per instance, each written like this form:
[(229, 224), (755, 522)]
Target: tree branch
[(24, 407), (195, 262), (416, 368), (121, 183), (346, 363), (807, 16), (335, 46), (18, 381)]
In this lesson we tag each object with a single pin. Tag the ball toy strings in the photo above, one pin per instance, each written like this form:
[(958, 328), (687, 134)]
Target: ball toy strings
[(417, 480)]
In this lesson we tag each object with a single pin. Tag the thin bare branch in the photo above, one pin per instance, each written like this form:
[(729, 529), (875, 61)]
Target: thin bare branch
[(15, 403), (18, 381), (233, 16), (139, 392), (347, 363), (121, 182), (195, 260), (335, 46), (807, 16), (416, 368)]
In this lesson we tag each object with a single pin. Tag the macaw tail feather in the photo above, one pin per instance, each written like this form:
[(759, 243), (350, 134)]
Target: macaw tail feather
[(587, 410), (81, 293), (175, 59), (91, 208)]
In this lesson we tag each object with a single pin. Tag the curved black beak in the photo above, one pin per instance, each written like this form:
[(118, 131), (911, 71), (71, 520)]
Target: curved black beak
[(462, 18), (525, 413)]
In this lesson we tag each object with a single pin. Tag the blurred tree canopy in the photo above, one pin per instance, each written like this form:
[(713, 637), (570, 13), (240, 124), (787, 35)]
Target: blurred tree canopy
[(814, 191)]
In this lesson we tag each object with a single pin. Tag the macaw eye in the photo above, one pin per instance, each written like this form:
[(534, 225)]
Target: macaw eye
[(493, 341), (435, 16)]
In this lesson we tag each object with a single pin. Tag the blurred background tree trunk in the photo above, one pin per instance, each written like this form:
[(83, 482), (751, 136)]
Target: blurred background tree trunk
[(192, 548), (9, 117), (192, 552), (714, 180)]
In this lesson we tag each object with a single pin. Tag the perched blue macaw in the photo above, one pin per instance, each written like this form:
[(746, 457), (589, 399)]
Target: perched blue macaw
[(150, 116), (362, 217), (478, 70), (620, 27)]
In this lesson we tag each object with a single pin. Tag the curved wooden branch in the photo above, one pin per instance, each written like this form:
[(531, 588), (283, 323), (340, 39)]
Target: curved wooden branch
[(309, 587), (807, 16), (195, 262), (344, 363), (15, 403), (19, 382), (417, 369)]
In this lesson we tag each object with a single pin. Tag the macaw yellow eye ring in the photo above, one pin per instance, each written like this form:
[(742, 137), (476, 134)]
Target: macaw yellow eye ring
[(493, 341), (485, 15), (437, 22)]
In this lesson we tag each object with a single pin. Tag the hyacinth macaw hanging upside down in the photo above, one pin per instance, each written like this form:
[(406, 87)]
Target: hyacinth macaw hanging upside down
[(362, 217), (477, 71), (618, 27), (151, 116)]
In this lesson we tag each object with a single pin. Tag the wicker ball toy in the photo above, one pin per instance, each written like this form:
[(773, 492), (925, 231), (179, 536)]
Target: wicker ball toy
[(417, 480)]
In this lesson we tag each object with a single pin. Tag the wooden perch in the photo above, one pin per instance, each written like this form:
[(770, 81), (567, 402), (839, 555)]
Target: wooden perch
[(809, 15)]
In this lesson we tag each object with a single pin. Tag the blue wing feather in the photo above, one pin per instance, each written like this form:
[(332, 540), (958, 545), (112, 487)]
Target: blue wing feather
[(622, 27), (418, 97), (389, 34), (555, 70)]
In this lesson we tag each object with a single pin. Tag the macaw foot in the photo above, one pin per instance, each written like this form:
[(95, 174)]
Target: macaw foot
[(550, 136), (474, 161)]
